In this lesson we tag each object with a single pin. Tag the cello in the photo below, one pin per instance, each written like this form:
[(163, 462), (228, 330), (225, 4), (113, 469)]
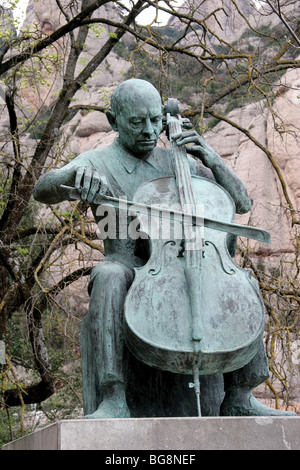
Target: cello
[(191, 309)]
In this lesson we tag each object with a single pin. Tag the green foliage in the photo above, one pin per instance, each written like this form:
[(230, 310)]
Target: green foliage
[(112, 35), (61, 330), (97, 30), (37, 127), (181, 77), (10, 428), (122, 51), (184, 76), (213, 122)]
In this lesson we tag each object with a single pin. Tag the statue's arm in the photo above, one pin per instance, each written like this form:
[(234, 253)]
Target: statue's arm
[(79, 173), (222, 173), (229, 180), (48, 187)]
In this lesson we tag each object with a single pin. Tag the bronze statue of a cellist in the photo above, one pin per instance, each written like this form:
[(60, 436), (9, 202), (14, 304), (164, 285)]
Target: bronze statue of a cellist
[(114, 381)]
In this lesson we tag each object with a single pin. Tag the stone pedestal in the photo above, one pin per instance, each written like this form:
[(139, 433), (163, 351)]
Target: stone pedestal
[(166, 434)]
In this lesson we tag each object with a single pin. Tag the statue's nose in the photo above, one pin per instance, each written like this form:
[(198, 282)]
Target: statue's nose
[(148, 129)]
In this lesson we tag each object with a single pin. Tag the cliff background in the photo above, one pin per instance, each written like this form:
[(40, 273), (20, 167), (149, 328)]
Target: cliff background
[(255, 129)]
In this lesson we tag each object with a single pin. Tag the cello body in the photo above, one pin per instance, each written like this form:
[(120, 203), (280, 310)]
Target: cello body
[(190, 309), (209, 315)]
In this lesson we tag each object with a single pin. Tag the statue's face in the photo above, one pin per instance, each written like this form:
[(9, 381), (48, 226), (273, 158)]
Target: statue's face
[(139, 124)]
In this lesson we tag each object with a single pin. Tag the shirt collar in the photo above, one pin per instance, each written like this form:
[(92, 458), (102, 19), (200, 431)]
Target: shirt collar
[(127, 159)]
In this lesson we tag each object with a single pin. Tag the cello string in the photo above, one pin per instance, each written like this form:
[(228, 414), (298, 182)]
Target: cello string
[(186, 193)]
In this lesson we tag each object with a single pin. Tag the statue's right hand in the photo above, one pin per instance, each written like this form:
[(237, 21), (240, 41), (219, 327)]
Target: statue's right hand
[(90, 183)]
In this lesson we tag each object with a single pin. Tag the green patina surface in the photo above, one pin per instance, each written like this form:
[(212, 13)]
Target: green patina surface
[(116, 384)]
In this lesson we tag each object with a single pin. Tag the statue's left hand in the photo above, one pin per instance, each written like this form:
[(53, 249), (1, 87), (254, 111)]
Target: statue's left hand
[(197, 146)]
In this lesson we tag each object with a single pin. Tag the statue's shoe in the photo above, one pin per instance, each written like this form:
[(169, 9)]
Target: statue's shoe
[(241, 403), (110, 409)]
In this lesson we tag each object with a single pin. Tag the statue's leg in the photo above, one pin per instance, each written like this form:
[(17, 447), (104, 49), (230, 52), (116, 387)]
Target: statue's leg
[(108, 287), (238, 386)]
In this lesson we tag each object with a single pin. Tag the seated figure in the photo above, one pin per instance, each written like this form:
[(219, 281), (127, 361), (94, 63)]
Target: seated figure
[(109, 385)]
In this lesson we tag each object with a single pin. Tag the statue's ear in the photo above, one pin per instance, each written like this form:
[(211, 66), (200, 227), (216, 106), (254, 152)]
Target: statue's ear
[(112, 120)]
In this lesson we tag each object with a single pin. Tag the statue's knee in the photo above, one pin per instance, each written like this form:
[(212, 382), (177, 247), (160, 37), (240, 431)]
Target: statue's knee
[(108, 272)]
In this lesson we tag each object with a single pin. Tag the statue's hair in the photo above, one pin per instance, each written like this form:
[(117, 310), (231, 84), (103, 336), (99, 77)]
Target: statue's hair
[(128, 90)]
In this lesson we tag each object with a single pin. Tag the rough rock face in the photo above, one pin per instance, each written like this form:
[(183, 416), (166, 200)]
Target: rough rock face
[(229, 22), (269, 209), (47, 17), (285, 146)]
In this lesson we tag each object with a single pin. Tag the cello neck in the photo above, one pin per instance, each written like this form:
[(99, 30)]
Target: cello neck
[(181, 164), (183, 179)]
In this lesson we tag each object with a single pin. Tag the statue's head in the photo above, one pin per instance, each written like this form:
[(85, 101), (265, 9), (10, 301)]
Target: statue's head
[(136, 114)]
